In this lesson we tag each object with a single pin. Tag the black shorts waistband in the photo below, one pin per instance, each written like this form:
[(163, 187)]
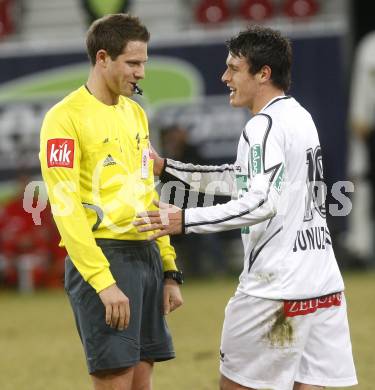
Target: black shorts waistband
[(111, 243)]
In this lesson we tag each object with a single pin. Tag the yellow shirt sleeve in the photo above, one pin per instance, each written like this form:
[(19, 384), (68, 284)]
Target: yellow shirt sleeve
[(60, 164), (167, 252)]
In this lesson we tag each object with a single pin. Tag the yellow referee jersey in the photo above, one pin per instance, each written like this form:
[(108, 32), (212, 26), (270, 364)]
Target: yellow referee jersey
[(95, 163)]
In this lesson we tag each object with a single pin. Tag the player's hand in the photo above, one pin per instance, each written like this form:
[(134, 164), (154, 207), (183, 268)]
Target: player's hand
[(166, 220), (117, 309), (172, 296), (158, 161)]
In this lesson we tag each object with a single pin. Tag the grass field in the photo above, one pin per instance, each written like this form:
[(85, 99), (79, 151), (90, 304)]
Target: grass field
[(40, 349)]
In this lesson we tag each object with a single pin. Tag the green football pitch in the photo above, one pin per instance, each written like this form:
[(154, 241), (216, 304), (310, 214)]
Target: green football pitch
[(40, 349)]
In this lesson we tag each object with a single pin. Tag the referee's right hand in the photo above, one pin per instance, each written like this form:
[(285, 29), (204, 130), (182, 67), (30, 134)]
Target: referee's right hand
[(117, 309)]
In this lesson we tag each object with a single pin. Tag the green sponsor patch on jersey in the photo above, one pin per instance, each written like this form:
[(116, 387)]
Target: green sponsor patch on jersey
[(279, 179), (242, 187), (256, 159)]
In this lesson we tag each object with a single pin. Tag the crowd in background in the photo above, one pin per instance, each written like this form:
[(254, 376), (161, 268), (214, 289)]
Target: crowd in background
[(30, 256)]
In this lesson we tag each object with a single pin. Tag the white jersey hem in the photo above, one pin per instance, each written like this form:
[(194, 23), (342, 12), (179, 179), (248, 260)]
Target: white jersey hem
[(284, 297)]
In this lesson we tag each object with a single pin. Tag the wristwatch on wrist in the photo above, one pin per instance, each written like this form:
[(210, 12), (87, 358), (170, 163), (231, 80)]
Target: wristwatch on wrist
[(175, 275)]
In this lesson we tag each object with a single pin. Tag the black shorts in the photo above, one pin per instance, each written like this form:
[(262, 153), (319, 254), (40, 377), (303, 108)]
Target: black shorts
[(137, 269)]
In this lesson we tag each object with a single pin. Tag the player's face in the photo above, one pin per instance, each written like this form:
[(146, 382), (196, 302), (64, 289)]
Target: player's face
[(127, 69), (243, 85)]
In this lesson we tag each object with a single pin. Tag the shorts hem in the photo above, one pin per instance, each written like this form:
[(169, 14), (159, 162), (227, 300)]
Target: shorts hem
[(245, 381), (159, 358), (117, 366), (341, 382)]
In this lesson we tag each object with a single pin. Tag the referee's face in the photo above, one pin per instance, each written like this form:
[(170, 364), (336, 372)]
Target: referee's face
[(123, 73), (242, 85)]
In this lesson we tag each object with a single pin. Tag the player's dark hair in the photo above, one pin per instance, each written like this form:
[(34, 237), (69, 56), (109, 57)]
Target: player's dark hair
[(112, 33), (263, 46)]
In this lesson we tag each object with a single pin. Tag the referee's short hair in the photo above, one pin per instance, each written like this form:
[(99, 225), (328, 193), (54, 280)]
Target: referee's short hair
[(112, 33), (264, 46)]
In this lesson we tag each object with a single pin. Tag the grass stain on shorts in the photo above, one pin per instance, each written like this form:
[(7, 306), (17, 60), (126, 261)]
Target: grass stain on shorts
[(281, 332)]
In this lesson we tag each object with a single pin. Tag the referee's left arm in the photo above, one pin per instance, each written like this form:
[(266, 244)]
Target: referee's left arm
[(167, 252)]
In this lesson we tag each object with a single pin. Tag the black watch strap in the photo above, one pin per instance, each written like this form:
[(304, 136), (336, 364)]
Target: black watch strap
[(175, 275)]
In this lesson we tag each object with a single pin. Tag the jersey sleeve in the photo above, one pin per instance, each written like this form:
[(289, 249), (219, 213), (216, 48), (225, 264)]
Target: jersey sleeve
[(209, 179), (167, 252), (60, 164), (266, 162)]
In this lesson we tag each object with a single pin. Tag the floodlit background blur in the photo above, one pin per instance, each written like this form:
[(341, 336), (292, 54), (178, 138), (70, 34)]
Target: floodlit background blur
[(42, 58)]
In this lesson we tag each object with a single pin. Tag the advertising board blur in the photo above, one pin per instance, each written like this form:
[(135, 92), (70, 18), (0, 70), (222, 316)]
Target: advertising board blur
[(182, 86)]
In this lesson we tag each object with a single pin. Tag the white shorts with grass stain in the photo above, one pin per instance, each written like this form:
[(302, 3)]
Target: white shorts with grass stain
[(269, 344)]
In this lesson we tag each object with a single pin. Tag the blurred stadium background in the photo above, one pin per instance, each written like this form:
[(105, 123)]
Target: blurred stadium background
[(42, 58)]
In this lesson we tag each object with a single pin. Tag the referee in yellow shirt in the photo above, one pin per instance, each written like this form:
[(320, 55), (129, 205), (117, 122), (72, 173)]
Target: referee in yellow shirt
[(94, 154)]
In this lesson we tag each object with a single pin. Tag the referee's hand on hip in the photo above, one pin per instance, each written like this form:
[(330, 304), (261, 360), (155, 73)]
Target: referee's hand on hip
[(117, 309)]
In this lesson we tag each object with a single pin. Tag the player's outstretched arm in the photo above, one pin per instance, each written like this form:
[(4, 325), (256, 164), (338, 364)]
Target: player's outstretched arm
[(209, 179), (168, 220)]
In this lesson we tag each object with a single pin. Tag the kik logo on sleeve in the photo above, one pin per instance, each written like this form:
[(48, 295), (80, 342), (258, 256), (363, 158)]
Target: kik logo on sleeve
[(60, 153)]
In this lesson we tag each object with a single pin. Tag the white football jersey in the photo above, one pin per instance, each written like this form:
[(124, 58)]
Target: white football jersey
[(279, 204)]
